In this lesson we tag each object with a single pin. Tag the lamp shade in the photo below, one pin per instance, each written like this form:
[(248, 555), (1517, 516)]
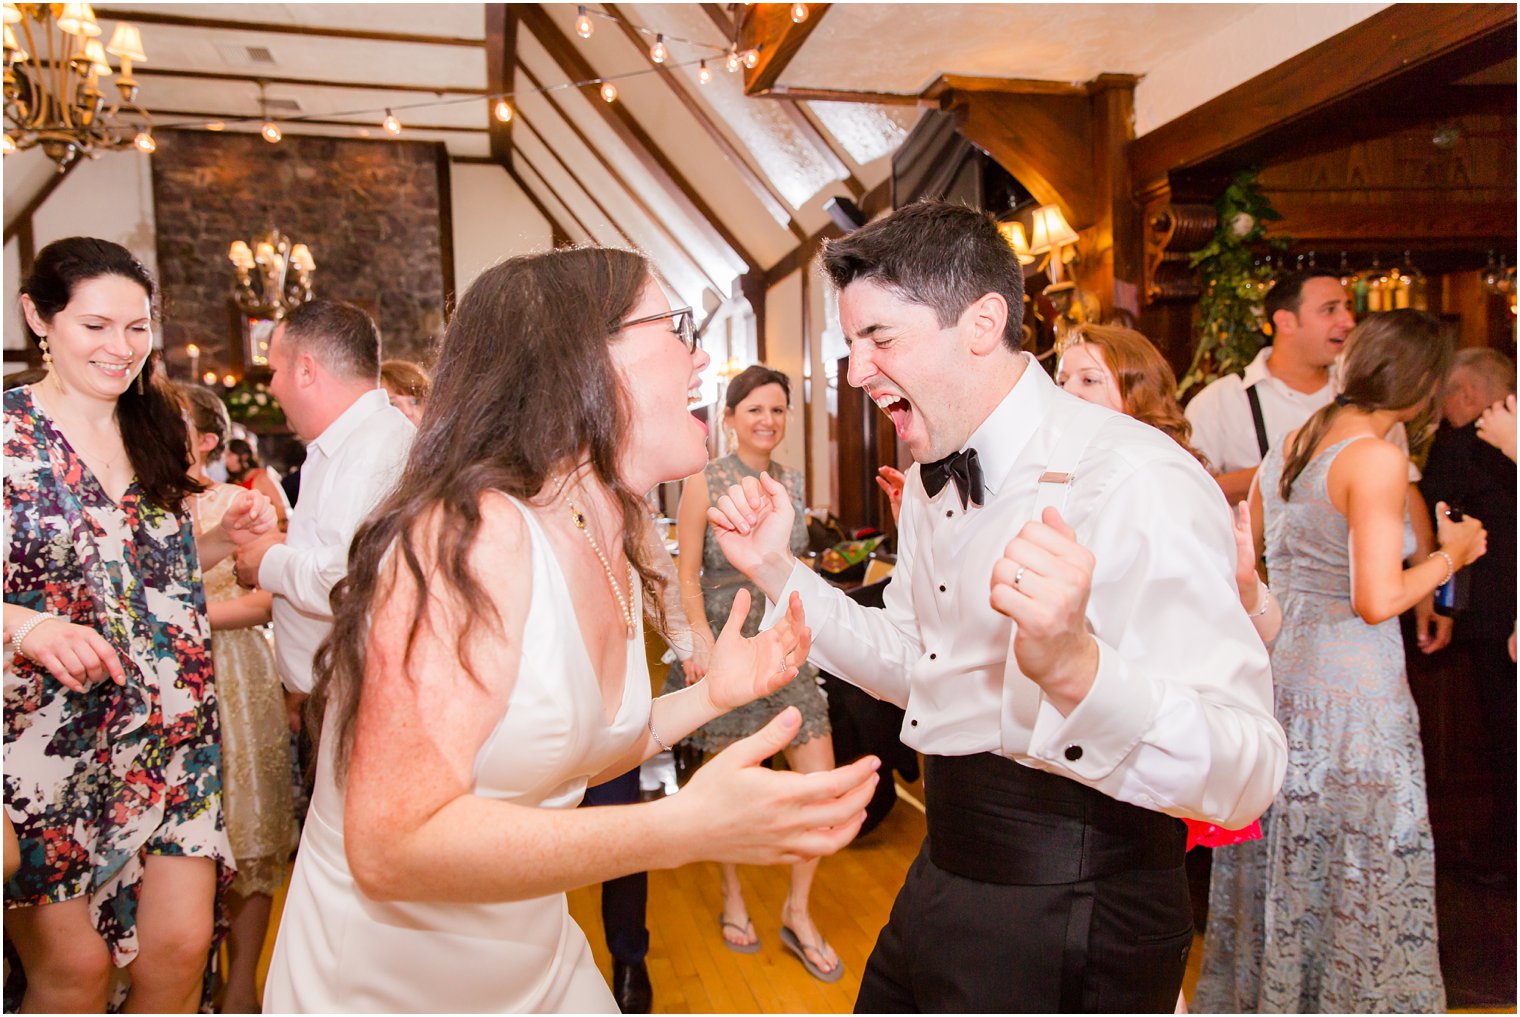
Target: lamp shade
[(1050, 230), (95, 53), (127, 42), (240, 255), (300, 257), (1013, 232), (78, 19), (12, 14)]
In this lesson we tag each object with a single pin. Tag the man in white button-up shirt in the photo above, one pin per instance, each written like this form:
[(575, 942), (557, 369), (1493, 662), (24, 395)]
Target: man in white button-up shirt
[(326, 362), (1074, 681)]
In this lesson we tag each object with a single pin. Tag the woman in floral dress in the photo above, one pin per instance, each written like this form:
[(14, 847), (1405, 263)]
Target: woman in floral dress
[(112, 763), (756, 408)]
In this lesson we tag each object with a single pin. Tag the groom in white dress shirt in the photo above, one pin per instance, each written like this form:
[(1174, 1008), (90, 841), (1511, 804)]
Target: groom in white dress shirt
[(1074, 681)]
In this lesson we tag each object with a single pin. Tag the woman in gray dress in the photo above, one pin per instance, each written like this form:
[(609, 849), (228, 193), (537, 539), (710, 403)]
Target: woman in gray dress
[(755, 410), (1334, 909)]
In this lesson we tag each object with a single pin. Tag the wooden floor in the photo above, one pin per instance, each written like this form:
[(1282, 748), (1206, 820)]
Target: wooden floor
[(694, 972)]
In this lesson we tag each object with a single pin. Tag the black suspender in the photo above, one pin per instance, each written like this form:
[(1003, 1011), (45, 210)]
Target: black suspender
[(1256, 417)]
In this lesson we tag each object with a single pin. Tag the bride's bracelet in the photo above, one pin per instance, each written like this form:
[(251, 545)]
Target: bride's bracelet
[(655, 734), (1451, 566), (1263, 595), (25, 629)]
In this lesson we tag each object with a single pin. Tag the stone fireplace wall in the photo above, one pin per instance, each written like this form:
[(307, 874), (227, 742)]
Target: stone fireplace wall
[(374, 213)]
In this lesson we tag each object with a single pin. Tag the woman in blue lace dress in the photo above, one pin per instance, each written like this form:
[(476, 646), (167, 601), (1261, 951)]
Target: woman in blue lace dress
[(1334, 909)]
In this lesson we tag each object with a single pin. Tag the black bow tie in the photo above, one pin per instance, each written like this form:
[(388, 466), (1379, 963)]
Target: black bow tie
[(963, 467)]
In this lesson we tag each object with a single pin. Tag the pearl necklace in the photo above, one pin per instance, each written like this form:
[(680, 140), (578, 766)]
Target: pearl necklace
[(625, 605)]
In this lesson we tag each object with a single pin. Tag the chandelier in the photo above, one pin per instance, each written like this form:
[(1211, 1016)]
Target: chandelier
[(273, 275), (55, 69)]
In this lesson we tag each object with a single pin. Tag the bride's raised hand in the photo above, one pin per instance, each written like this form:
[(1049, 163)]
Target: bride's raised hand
[(746, 668)]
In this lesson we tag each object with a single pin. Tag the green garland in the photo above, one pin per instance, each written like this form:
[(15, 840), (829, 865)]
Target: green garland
[(1229, 312)]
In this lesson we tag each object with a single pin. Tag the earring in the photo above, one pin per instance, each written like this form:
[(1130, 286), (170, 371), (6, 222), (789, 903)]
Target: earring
[(47, 358)]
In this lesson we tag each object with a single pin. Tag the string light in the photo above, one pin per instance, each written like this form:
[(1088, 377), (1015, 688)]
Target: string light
[(209, 377), (229, 380), (503, 111), (145, 143), (609, 91), (703, 74), (658, 52), (583, 24), (799, 13), (751, 57), (391, 124), (732, 60), (271, 132)]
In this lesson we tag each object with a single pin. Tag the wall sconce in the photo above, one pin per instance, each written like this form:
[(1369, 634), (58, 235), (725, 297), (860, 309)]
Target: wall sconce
[(1053, 235), (1013, 232)]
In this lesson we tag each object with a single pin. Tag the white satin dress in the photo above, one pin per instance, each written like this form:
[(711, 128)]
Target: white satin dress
[(340, 951)]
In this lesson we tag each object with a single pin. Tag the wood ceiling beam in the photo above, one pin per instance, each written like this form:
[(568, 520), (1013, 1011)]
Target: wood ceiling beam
[(628, 131), (757, 183), (630, 192), (182, 21), (770, 29), (797, 94), (501, 56), (376, 86), (574, 179), (203, 116), (1403, 49)]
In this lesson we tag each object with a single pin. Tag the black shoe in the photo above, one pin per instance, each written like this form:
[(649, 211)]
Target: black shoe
[(631, 988)]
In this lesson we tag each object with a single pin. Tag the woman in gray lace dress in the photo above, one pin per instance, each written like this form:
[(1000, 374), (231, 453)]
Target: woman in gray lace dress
[(1334, 909), (756, 410)]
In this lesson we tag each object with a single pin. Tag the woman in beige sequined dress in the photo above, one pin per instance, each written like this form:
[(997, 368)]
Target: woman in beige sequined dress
[(255, 731)]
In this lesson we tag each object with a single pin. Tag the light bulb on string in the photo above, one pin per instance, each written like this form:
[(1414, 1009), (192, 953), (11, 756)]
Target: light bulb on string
[(271, 132), (145, 143), (209, 377), (503, 111), (659, 52), (799, 13), (751, 57), (609, 91), (391, 124), (703, 74), (732, 60), (229, 380), (583, 26)]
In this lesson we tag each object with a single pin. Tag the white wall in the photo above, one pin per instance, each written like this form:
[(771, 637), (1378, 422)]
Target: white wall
[(783, 351), (493, 220), (110, 197), (1214, 64)]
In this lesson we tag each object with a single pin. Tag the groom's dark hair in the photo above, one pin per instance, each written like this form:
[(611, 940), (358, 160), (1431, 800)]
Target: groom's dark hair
[(934, 253)]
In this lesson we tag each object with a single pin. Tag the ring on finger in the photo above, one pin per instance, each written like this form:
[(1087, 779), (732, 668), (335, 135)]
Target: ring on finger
[(1018, 575)]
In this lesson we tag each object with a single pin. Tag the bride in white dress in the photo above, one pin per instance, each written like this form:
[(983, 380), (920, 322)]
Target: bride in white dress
[(486, 664)]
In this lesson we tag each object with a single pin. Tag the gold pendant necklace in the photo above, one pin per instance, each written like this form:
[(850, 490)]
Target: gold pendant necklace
[(625, 604)]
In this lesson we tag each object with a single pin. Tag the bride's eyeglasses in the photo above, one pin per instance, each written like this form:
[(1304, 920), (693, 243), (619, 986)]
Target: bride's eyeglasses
[(685, 326)]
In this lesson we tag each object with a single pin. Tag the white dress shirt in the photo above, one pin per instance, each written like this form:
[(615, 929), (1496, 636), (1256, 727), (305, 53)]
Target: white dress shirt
[(349, 468), (1224, 431), (1179, 718)]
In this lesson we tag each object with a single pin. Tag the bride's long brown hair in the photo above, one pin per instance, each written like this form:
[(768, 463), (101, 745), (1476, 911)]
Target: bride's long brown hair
[(525, 389)]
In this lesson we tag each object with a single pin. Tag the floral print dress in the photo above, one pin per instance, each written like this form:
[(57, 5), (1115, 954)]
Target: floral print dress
[(97, 781)]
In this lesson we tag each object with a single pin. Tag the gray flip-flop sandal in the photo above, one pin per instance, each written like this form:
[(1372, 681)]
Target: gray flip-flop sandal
[(747, 929), (790, 940)]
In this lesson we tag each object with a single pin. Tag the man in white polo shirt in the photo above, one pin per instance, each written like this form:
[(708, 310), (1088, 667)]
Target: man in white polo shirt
[(326, 362), (1238, 417)]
